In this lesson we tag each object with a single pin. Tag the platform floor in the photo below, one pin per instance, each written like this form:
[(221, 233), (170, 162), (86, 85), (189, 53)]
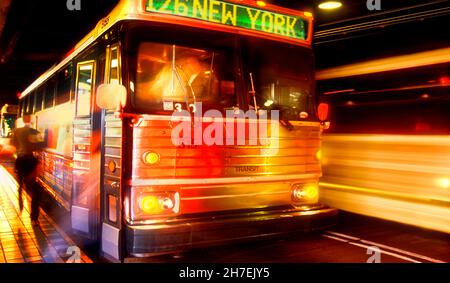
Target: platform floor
[(22, 242)]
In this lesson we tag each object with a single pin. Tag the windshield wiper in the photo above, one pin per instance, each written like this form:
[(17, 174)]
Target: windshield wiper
[(180, 81), (210, 74), (188, 83)]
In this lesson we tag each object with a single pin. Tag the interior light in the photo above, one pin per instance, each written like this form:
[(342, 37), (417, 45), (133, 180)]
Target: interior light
[(268, 103)]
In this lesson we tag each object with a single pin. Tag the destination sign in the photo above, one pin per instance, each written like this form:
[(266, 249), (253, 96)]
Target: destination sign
[(233, 15)]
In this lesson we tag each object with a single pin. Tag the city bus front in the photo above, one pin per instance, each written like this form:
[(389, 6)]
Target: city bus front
[(221, 138)]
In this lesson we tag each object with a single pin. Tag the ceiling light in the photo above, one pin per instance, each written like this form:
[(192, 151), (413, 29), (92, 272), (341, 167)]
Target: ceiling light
[(330, 5)]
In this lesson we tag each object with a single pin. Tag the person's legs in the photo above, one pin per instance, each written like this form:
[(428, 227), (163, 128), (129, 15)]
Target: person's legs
[(36, 195), (19, 172), (34, 189), (20, 193)]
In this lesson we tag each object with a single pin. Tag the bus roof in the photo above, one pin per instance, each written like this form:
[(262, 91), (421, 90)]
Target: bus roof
[(248, 17)]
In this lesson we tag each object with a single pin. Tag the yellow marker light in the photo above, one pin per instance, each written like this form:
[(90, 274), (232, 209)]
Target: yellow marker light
[(330, 5), (319, 154), (151, 158), (308, 14), (261, 3), (150, 204), (112, 166)]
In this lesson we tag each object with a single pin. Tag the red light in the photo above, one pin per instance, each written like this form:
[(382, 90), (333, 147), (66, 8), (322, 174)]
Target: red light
[(322, 111), (19, 94), (444, 80), (70, 52)]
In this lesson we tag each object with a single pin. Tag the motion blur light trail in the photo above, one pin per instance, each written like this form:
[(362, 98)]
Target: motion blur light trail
[(419, 59), (402, 178)]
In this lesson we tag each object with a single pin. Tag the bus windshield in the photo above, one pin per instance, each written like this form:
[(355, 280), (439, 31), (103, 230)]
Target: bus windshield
[(170, 77), (282, 75)]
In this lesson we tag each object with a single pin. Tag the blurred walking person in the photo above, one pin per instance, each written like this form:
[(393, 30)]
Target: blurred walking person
[(28, 142)]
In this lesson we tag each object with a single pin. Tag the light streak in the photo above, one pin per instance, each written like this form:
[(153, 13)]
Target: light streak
[(387, 64), (403, 178)]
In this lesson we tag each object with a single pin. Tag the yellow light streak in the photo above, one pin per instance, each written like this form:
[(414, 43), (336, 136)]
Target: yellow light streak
[(387, 64), (402, 178)]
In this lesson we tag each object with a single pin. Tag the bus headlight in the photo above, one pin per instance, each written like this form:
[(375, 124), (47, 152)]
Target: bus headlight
[(305, 193), (151, 203)]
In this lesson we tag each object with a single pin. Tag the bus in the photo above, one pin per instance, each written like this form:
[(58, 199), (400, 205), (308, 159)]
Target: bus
[(8, 118), (108, 113), (387, 152)]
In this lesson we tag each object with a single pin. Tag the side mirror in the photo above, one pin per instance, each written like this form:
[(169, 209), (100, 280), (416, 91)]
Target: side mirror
[(322, 114), (322, 111), (111, 96)]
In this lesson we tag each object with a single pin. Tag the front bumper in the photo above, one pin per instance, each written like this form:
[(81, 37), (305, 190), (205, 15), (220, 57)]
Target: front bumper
[(147, 240)]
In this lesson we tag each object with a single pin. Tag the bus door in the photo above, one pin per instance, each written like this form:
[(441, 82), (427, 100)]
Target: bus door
[(112, 165), (85, 209)]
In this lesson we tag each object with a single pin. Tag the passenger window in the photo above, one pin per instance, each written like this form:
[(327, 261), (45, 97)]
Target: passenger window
[(27, 105), (39, 99), (84, 88), (114, 65), (31, 105), (50, 93), (22, 107), (64, 83)]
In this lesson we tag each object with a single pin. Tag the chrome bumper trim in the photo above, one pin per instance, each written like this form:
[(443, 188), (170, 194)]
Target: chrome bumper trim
[(229, 180)]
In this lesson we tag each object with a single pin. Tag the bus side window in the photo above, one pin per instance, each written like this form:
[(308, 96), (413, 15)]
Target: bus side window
[(24, 102), (113, 68), (85, 72), (50, 93), (64, 82), (27, 105), (39, 99), (31, 105), (20, 108)]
